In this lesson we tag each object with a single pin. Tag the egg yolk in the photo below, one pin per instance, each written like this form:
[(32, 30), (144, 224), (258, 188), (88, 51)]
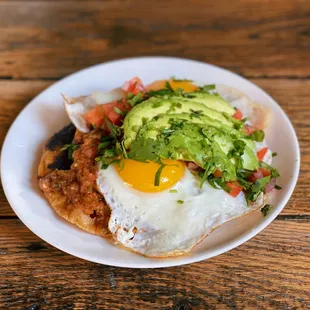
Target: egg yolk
[(185, 85), (141, 176)]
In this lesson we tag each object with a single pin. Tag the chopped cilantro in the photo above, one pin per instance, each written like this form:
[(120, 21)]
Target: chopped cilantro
[(207, 88), (130, 95), (174, 105), (174, 79), (135, 99), (168, 86), (176, 124), (257, 188), (111, 146), (179, 92), (103, 145), (238, 149), (107, 156), (157, 175), (277, 187), (266, 209), (161, 92), (196, 113), (258, 135), (274, 172), (180, 202), (106, 138), (115, 131), (173, 191), (70, 148), (157, 104), (167, 131), (118, 111), (274, 154)]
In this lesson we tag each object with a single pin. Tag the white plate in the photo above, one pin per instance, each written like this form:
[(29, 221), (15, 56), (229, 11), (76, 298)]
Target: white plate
[(45, 114)]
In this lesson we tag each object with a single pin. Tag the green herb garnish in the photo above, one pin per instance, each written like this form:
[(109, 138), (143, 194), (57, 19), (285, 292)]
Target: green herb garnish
[(174, 105), (274, 154), (258, 135), (168, 86), (115, 131), (121, 148), (180, 202), (70, 148), (173, 78), (158, 173), (129, 95), (274, 172), (135, 99), (162, 92), (103, 145), (207, 88), (173, 191), (256, 189), (197, 113), (266, 209), (118, 111)]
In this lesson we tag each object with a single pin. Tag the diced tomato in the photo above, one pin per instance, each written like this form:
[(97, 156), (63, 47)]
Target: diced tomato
[(217, 173), (265, 171), (248, 130), (259, 173), (235, 188), (238, 115), (111, 114), (270, 186), (261, 153), (96, 115), (134, 86)]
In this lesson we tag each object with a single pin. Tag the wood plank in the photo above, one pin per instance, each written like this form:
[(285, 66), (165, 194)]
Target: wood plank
[(293, 95), (268, 272), (256, 38), (14, 95)]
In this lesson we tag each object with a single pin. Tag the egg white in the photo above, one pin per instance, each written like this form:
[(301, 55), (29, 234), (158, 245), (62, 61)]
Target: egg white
[(156, 224)]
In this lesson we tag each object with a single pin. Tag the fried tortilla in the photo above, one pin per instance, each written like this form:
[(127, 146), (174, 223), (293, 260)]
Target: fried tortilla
[(69, 184)]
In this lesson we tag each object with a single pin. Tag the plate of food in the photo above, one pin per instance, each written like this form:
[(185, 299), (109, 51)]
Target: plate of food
[(149, 162)]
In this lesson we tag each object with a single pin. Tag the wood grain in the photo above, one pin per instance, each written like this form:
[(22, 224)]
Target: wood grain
[(267, 41), (255, 38), (268, 272), (293, 96)]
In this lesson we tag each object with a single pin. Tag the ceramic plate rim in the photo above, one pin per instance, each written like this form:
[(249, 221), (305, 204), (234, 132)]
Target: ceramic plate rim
[(160, 262)]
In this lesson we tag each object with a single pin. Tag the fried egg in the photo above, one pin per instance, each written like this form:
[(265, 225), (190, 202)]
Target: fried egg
[(169, 219), (173, 217)]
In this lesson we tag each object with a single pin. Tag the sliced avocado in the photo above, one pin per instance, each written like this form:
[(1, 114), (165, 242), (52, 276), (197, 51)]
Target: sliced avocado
[(249, 157), (150, 108), (161, 121), (198, 128), (214, 102)]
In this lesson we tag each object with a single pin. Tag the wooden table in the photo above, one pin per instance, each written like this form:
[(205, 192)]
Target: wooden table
[(268, 42)]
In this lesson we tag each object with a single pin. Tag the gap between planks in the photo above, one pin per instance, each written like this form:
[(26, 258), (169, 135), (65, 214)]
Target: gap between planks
[(281, 217), (250, 77)]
